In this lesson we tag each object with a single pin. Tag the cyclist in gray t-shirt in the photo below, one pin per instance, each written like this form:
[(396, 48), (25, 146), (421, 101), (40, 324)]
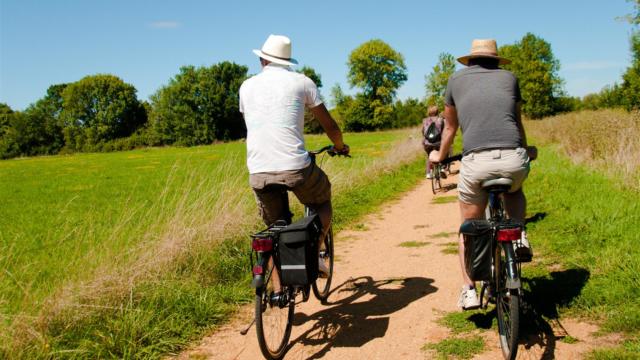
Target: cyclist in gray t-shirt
[(484, 101)]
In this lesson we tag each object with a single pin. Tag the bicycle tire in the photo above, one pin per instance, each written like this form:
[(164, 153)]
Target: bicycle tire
[(322, 286), (507, 306), (273, 321), (435, 180)]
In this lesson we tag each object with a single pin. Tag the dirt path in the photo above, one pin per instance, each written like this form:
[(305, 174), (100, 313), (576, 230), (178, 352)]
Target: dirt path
[(387, 297)]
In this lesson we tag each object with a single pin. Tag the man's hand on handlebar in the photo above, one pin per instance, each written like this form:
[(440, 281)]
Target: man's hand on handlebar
[(344, 151), (434, 156)]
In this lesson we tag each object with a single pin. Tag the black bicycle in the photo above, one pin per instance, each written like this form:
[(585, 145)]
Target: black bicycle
[(275, 296), (490, 258)]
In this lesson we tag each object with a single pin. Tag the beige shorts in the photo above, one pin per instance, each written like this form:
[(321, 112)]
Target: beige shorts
[(310, 185), (491, 164)]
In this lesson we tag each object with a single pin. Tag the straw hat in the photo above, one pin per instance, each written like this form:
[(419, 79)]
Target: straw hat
[(483, 48), (277, 49)]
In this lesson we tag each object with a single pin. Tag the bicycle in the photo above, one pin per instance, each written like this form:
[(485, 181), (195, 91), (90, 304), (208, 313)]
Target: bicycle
[(500, 275), (438, 172), (274, 311)]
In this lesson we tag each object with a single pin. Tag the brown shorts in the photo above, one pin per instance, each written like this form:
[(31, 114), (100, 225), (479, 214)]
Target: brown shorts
[(310, 185)]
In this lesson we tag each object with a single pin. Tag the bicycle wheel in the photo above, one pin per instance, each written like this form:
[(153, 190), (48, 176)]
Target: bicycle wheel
[(274, 319), (435, 180), (507, 305), (322, 286)]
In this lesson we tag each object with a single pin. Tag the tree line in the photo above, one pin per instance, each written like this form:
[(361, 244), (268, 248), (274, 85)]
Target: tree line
[(199, 105)]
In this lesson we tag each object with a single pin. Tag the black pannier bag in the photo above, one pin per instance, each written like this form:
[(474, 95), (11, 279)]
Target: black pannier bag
[(477, 248), (298, 248)]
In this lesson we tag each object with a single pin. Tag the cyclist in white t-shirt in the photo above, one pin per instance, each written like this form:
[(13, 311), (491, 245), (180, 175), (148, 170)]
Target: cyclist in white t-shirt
[(273, 104)]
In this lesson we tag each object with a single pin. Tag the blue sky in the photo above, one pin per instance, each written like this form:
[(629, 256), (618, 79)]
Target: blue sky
[(145, 42)]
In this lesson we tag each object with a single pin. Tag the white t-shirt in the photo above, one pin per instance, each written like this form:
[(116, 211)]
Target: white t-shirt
[(273, 105)]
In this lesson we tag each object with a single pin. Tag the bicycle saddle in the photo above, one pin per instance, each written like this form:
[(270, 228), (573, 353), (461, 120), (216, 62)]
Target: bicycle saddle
[(497, 185)]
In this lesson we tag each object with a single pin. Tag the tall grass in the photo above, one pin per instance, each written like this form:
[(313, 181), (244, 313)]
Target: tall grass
[(171, 264), (605, 139)]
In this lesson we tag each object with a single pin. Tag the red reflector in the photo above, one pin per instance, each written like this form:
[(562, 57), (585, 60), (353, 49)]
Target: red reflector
[(509, 234), (262, 244), (257, 270)]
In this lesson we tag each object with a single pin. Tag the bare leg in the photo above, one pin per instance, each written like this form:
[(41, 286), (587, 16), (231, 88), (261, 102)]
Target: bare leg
[(277, 287), (468, 211), (325, 211), (516, 205)]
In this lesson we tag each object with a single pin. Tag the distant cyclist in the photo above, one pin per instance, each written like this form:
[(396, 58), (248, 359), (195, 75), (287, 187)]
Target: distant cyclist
[(484, 101), (273, 104), (432, 127)]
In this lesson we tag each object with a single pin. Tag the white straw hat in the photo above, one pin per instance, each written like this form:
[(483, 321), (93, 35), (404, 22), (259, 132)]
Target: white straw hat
[(277, 49), (483, 48)]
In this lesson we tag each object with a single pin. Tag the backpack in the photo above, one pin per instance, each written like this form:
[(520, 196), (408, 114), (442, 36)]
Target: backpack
[(433, 133)]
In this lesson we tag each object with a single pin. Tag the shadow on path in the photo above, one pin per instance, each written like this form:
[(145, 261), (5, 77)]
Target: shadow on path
[(539, 320), (359, 316), (535, 218)]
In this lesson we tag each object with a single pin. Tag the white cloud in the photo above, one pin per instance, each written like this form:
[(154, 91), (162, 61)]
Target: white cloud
[(165, 24), (594, 65)]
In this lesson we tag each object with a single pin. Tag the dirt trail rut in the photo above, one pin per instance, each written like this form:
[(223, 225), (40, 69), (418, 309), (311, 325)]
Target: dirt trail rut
[(387, 297)]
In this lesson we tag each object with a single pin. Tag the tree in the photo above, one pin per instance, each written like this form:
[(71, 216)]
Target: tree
[(537, 70), (5, 118), (35, 131), (311, 124), (97, 109), (631, 78), (46, 112), (200, 105), (436, 82), (379, 71), (408, 113)]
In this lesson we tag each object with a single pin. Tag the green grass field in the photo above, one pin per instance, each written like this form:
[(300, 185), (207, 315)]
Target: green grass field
[(134, 253)]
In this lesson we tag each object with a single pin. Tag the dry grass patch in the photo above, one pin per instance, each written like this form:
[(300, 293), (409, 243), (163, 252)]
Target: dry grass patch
[(607, 140)]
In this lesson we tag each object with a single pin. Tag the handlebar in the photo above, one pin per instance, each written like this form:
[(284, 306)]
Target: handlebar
[(451, 159), (329, 149)]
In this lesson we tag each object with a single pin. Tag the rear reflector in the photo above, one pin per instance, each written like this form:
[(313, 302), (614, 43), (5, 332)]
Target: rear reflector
[(509, 234), (257, 270), (265, 244)]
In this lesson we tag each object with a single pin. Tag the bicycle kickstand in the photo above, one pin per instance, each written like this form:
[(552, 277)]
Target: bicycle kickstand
[(246, 330)]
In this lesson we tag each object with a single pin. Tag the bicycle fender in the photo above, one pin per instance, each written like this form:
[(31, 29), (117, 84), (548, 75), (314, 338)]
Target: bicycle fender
[(513, 278), (257, 281)]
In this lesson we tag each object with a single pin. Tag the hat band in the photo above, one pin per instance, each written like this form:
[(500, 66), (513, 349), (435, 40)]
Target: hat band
[(277, 57)]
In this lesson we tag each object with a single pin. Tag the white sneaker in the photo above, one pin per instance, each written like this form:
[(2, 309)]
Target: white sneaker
[(323, 270), (523, 249), (468, 299), (430, 175)]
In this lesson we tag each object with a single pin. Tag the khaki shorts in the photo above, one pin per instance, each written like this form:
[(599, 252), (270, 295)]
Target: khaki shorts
[(491, 164), (310, 185)]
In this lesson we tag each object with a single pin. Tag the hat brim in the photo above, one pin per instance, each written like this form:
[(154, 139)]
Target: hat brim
[(275, 59), (464, 60)]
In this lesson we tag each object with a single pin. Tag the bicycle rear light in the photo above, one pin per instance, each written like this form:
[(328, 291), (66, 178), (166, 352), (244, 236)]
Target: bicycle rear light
[(262, 244), (258, 270), (512, 234)]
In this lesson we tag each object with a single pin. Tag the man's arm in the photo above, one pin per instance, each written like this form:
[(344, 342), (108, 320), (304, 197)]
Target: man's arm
[(523, 136), (532, 151), (329, 125), (449, 133)]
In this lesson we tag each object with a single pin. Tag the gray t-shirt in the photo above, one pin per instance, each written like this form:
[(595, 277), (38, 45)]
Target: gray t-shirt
[(485, 100)]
